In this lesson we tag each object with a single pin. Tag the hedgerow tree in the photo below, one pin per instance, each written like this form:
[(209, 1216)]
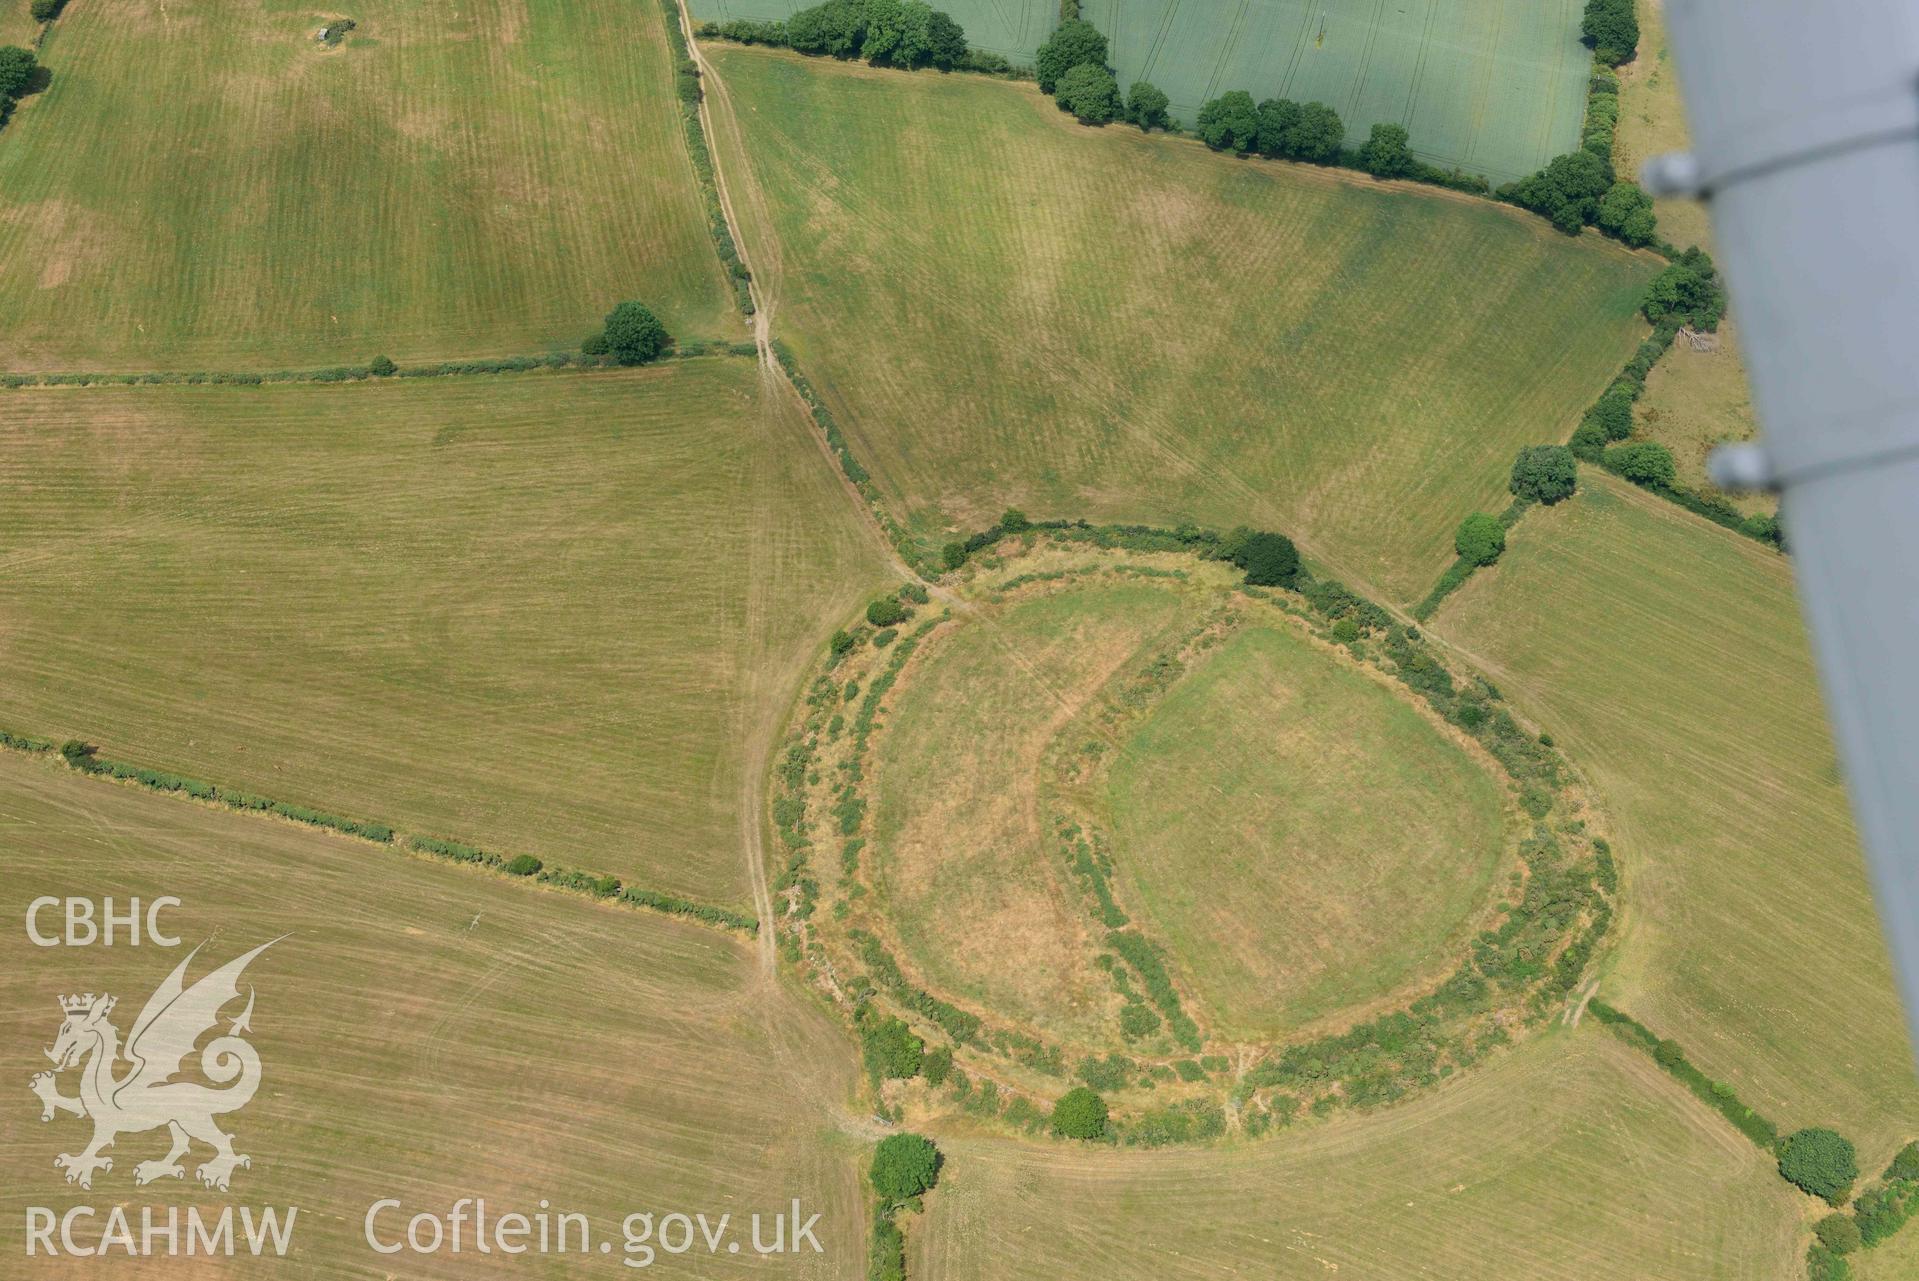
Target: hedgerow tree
[(1318, 135), (887, 33), (47, 10), (1612, 29), (634, 335), (1688, 290), (1277, 116), (1544, 473), (1480, 538), (1072, 44), (1230, 122), (1270, 560), (1387, 152), (1146, 105), (1821, 1162), (1625, 212), (1567, 190), (1644, 462), (1613, 414), (1090, 93), (1079, 1114), (904, 1166), (17, 68)]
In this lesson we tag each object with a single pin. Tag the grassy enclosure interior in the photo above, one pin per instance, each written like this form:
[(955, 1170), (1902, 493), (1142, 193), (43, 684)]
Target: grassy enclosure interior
[(455, 179), (1007, 309), (553, 614), (1299, 835), (424, 1034)]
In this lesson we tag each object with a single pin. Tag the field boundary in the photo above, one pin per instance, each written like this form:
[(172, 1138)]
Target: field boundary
[(693, 349), (83, 758)]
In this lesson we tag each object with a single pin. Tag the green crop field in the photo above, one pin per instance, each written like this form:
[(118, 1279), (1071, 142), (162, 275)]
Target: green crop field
[(1667, 655), (1126, 327), (454, 180), (1487, 86), (424, 1034), (1573, 1160), (546, 613), (1298, 834)]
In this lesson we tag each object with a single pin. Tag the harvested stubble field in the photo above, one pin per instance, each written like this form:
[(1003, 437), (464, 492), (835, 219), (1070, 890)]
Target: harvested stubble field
[(1668, 656), (1573, 1159), (455, 179), (1007, 309), (425, 1034), (553, 614)]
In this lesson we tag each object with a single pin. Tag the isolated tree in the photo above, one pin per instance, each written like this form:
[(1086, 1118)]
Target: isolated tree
[(1079, 1114), (904, 1166), (1090, 93), (634, 335), (1230, 122), (1387, 152), (1612, 29), (17, 68), (1480, 538), (1644, 462), (1544, 473), (1821, 1162), (1626, 212), (1072, 44), (1146, 105)]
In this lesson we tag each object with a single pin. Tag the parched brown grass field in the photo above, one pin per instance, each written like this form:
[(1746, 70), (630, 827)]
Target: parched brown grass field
[(205, 187), (1667, 655), (425, 1034), (556, 614), (1005, 308)]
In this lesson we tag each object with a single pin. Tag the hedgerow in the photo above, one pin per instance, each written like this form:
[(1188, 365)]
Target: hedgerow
[(687, 76), (84, 757), (1668, 1054)]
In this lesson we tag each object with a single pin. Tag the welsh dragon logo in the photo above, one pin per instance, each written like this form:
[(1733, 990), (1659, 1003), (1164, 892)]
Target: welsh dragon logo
[(145, 1096)]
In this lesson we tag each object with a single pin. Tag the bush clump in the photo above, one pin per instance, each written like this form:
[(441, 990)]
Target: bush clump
[(1838, 1233), (893, 1052), (886, 611), (523, 865), (1819, 1161), (1644, 462), (1079, 1114)]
